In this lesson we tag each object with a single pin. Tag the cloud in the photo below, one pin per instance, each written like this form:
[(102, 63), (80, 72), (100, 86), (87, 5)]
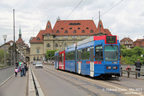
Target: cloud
[(125, 19)]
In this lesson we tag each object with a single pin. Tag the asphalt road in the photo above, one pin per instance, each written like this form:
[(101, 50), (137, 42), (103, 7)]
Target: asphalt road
[(61, 83)]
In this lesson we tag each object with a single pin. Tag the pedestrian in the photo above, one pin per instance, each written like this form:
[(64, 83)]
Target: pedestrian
[(17, 64), (138, 66), (22, 69), (16, 71)]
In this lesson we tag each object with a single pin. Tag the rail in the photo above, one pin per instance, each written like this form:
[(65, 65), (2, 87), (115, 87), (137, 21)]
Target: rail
[(130, 71)]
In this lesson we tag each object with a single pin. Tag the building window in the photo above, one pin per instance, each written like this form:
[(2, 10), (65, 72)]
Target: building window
[(66, 31), (91, 31), (87, 28), (78, 27), (38, 38), (56, 45), (48, 26), (57, 31), (65, 45), (74, 36), (74, 31), (48, 45), (70, 28), (83, 36), (57, 37), (62, 28), (122, 42), (37, 50), (126, 42), (65, 36), (83, 31), (130, 42)]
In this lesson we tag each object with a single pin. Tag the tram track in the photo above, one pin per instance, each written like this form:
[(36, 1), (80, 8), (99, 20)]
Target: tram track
[(60, 75)]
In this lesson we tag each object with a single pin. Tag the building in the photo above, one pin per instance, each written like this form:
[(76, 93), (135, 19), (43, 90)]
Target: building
[(127, 42), (64, 33), (22, 47), (139, 42)]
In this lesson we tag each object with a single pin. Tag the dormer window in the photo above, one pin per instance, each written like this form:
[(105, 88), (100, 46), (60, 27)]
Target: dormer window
[(87, 28), (91, 31), (83, 31), (66, 31), (62, 28), (38, 38), (74, 31), (48, 26), (57, 31)]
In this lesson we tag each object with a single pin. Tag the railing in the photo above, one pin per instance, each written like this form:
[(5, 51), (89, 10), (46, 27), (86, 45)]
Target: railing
[(6, 73), (129, 71)]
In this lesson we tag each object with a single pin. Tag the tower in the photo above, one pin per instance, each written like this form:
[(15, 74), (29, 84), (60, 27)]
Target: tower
[(20, 35)]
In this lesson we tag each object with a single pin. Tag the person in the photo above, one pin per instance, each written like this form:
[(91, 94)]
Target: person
[(17, 64), (138, 66), (22, 69), (16, 70)]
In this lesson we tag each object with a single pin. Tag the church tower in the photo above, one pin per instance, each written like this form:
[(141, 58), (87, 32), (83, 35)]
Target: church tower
[(20, 35)]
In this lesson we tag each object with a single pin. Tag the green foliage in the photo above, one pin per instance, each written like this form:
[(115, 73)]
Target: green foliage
[(123, 47), (130, 56), (50, 53)]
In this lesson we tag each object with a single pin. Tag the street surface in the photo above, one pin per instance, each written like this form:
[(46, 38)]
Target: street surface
[(62, 83)]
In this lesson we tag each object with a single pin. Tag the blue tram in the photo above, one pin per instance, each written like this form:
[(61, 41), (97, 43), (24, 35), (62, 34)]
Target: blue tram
[(94, 56)]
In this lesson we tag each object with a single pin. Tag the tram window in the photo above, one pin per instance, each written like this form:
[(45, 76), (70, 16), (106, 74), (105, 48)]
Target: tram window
[(88, 54), (60, 57), (79, 55), (99, 53), (70, 55), (91, 54)]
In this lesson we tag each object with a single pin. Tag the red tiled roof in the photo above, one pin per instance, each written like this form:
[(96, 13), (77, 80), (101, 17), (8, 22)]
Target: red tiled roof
[(82, 27), (126, 39), (20, 41)]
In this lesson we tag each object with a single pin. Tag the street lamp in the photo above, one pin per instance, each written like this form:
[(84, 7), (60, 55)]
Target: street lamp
[(11, 44), (4, 37)]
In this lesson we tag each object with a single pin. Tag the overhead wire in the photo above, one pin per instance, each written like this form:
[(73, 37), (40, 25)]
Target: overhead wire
[(70, 13), (107, 11)]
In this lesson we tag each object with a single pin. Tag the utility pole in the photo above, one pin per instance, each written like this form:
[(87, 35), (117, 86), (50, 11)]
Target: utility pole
[(99, 24), (14, 32)]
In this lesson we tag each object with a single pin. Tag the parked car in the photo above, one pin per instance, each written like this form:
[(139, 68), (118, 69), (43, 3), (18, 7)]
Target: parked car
[(38, 65), (34, 62)]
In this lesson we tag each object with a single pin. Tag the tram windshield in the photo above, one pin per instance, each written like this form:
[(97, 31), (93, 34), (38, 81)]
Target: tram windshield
[(111, 53)]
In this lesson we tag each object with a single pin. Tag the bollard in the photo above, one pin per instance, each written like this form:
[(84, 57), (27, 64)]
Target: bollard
[(136, 75)]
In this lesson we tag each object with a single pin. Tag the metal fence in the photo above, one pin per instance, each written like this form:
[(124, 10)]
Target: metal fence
[(6, 73)]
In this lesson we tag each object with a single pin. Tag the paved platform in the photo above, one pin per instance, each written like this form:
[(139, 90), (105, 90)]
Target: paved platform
[(16, 86)]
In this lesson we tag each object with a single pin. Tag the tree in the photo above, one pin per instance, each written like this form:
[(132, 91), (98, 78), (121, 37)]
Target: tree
[(137, 50), (123, 47), (50, 53)]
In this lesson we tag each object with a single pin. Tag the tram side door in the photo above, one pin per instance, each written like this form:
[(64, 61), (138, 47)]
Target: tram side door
[(79, 61), (57, 59), (62, 60), (92, 62)]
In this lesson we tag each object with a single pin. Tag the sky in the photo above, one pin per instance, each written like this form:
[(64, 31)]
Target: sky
[(124, 18)]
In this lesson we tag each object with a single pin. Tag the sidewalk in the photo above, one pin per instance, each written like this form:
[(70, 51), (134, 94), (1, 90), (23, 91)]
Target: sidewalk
[(16, 86)]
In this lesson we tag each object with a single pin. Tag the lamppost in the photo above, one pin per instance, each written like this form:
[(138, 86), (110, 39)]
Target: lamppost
[(4, 37), (11, 44)]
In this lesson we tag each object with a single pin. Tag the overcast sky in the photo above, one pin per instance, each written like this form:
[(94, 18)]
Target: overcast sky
[(126, 19)]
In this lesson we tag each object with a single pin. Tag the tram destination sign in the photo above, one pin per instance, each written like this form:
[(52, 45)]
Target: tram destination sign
[(111, 40)]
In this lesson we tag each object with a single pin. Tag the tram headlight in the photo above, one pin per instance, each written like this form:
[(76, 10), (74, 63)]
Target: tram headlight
[(114, 67), (108, 67)]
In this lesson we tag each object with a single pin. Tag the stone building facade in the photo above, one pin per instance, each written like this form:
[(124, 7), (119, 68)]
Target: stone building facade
[(64, 33)]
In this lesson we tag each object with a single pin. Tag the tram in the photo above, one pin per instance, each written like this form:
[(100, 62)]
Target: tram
[(96, 56)]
